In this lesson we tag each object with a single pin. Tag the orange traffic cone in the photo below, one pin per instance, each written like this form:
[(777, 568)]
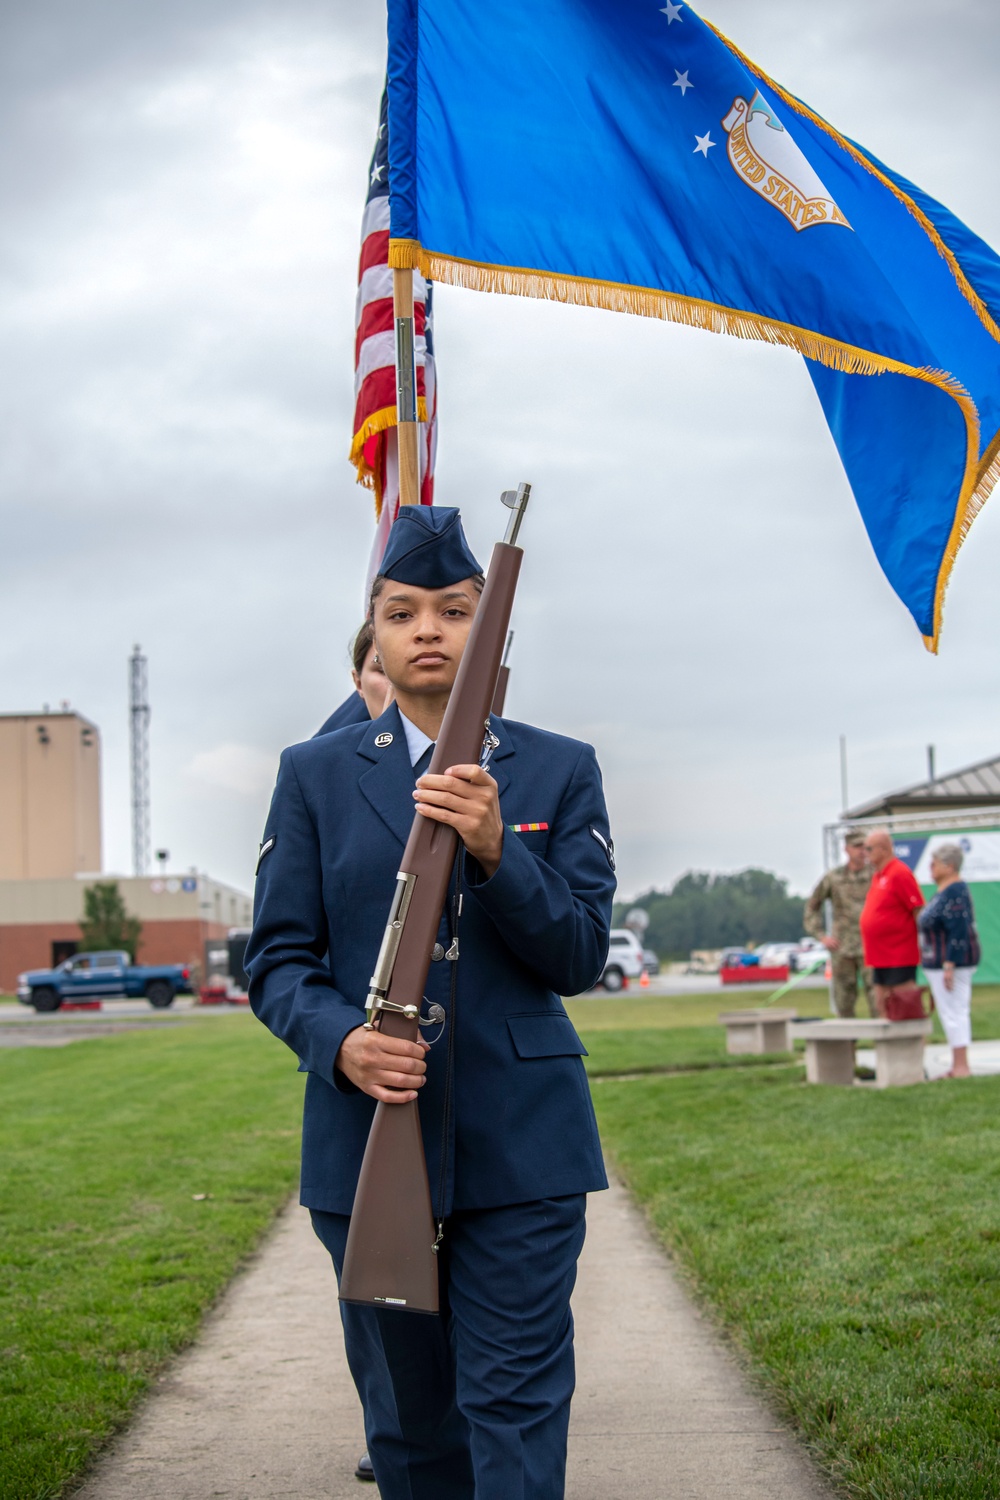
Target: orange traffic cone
[(644, 980)]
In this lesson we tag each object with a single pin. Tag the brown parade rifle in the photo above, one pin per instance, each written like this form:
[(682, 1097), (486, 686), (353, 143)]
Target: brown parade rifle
[(503, 679), (390, 1260)]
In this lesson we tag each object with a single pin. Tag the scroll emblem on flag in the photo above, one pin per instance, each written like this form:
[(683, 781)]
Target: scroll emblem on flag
[(765, 156)]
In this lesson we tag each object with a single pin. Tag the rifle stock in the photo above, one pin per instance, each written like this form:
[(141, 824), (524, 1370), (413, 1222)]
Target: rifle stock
[(390, 1258)]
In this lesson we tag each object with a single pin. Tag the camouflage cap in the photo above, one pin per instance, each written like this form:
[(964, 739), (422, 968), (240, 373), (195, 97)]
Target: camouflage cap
[(853, 838)]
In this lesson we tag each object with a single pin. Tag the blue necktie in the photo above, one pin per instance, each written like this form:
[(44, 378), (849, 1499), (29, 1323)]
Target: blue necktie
[(423, 763)]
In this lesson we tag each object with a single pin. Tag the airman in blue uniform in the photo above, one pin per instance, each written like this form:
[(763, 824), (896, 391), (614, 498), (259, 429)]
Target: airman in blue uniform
[(473, 1405)]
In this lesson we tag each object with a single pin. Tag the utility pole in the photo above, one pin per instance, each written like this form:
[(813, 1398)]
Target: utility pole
[(843, 773), (138, 698)]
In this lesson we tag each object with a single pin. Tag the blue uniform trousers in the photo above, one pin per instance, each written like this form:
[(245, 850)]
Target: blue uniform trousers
[(473, 1405)]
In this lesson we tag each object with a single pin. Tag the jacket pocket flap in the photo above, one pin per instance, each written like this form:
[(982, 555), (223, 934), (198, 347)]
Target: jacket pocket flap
[(535, 842), (545, 1034)]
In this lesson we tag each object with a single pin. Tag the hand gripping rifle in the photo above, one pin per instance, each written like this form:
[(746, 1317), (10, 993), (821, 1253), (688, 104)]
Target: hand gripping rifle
[(390, 1259)]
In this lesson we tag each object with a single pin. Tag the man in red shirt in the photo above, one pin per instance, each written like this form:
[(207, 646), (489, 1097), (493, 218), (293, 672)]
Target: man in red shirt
[(888, 918)]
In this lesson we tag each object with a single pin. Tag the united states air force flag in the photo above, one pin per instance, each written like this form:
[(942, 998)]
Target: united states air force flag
[(623, 154)]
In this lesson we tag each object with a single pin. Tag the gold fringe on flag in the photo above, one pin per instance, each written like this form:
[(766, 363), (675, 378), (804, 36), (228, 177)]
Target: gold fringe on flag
[(380, 421), (974, 496), (404, 255)]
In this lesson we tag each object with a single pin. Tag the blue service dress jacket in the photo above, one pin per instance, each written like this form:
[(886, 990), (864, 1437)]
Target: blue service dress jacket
[(523, 1124)]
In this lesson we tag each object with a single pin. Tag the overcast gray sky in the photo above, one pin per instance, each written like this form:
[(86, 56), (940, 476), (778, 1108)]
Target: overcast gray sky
[(181, 188)]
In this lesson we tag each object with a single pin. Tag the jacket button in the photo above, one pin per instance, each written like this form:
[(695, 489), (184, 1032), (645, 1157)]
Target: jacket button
[(437, 953)]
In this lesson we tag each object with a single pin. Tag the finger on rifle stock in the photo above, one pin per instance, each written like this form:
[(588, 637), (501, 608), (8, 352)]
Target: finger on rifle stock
[(401, 1081), (398, 1046), (387, 1063), (383, 1068), (431, 810), (469, 773), (432, 797)]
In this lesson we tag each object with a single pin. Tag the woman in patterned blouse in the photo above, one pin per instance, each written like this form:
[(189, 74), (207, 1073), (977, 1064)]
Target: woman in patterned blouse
[(949, 952)]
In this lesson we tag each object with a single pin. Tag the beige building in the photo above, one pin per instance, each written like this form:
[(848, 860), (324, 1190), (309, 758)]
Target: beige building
[(50, 796), (50, 851)]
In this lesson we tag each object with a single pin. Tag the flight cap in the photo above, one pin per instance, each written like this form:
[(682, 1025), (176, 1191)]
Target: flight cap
[(427, 548)]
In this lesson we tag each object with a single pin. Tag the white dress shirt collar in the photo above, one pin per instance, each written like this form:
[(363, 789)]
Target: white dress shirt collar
[(416, 741)]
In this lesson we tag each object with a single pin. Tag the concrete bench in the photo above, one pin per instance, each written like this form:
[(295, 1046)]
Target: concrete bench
[(899, 1050), (758, 1030)]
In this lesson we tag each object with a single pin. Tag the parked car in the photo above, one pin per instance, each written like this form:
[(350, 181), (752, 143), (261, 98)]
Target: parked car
[(625, 960), (651, 961), (777, 955), (809, 956), (102, 976), (737, 958)]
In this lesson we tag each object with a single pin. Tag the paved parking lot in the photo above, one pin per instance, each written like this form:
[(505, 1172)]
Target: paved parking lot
[(20, 1026)]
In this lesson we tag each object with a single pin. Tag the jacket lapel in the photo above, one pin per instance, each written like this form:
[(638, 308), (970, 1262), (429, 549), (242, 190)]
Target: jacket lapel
[(499, 765), (388, 782)]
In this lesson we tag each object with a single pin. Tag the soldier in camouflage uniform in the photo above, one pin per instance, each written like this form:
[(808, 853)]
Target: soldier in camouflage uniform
[(845, 888)]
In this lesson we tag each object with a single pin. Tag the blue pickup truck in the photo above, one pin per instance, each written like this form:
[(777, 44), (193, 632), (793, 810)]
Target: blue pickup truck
[(102, 976)]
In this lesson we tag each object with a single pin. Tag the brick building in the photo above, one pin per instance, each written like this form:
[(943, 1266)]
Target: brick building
[(39, 919), (50, 851)]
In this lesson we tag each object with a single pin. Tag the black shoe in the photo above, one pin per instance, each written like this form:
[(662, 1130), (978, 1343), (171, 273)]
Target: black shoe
[(364, 1469)]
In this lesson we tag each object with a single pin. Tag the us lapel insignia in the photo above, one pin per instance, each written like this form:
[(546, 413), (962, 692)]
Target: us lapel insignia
[(383, 739)]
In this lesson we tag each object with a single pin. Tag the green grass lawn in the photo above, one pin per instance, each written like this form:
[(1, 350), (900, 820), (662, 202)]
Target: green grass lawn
[(850, 1241), (107, 1259), (637, 1033), (665, 1033)]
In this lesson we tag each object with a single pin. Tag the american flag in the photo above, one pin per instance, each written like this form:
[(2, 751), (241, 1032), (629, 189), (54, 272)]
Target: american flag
[(374, 449)]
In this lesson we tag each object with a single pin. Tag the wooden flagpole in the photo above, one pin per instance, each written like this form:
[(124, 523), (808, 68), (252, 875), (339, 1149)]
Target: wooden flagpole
[(406, 388)]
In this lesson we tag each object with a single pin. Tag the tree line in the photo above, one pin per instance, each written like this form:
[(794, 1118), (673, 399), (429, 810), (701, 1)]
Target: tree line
[(718, 911)]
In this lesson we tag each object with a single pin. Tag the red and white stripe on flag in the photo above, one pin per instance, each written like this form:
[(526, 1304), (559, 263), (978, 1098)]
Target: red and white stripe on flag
[(374, 448)]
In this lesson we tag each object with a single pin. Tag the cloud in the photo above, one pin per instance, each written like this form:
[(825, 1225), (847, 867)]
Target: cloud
[(182, 188), (242, 770)]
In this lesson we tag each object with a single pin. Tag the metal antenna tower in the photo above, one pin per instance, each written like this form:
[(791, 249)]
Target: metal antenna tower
[(138, 705)]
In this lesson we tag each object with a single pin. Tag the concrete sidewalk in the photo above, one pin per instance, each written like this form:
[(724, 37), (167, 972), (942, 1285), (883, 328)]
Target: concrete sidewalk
[(263, 1406)]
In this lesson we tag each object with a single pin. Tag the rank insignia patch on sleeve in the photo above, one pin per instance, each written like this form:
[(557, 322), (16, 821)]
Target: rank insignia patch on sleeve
[(265, 848), (608, 845)]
